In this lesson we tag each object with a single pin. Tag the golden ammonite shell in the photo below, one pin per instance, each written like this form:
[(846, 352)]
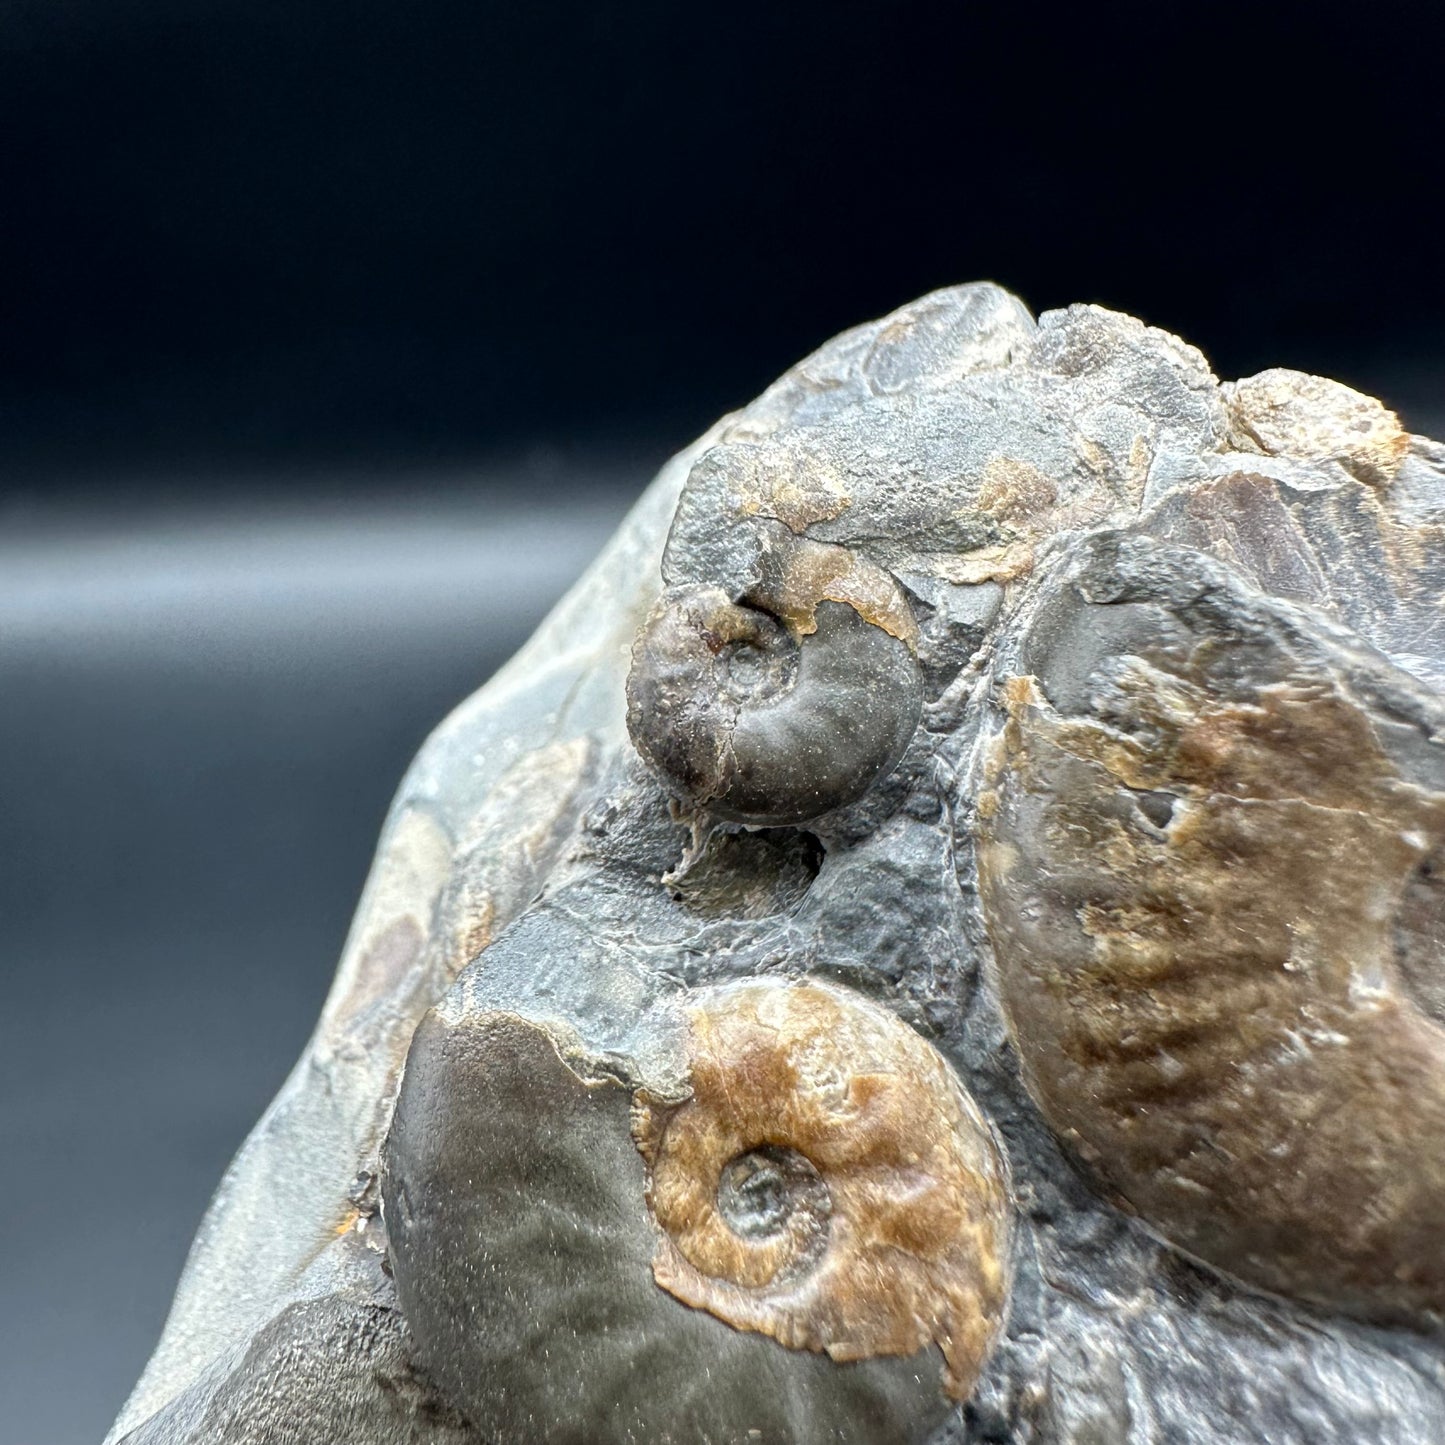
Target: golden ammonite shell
[(763, 1211), (1210, 866), (828, 1182)]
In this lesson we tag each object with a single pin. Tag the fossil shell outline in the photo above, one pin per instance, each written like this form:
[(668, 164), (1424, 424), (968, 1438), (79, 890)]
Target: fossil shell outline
[(524, 1251), (912, 1247), (1193, 856), (823, 716), (774, 684)]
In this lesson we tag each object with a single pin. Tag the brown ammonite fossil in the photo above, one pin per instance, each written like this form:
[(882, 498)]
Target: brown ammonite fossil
[(766, 1210), (1209, 863), (828, 1182), (780, 680)]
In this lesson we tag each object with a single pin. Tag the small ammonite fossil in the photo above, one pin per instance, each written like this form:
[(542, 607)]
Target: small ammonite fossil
[(1207, 867), (828, 1182), (816, 1249), (784, 695)]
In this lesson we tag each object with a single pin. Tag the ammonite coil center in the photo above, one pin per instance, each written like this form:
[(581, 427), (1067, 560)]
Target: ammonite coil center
[(760, 666), (766, 1191)]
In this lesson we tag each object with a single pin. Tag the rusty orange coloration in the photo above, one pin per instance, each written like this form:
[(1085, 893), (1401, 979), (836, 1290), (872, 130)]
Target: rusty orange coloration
[(828, 1183)]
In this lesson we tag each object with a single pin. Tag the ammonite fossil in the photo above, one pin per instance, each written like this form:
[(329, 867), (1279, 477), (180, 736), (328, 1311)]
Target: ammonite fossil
[(828, 1182), (939, 939), (822, 1206), (1208, 862), (789, 1161), (783, 703)]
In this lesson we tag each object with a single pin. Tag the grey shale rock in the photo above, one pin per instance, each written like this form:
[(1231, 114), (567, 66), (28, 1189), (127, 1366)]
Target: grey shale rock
[(938, 937)]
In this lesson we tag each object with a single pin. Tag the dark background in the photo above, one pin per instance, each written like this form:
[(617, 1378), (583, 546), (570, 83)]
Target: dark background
[(334, 338)]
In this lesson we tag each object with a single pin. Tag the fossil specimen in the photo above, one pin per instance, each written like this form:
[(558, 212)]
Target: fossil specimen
[(826, 1181), (814, 1174), (765, 723), (938, 938), (1196, 870)]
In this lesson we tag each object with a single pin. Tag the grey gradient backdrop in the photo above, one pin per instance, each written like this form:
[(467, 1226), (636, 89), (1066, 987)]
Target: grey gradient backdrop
[(204, 711)]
